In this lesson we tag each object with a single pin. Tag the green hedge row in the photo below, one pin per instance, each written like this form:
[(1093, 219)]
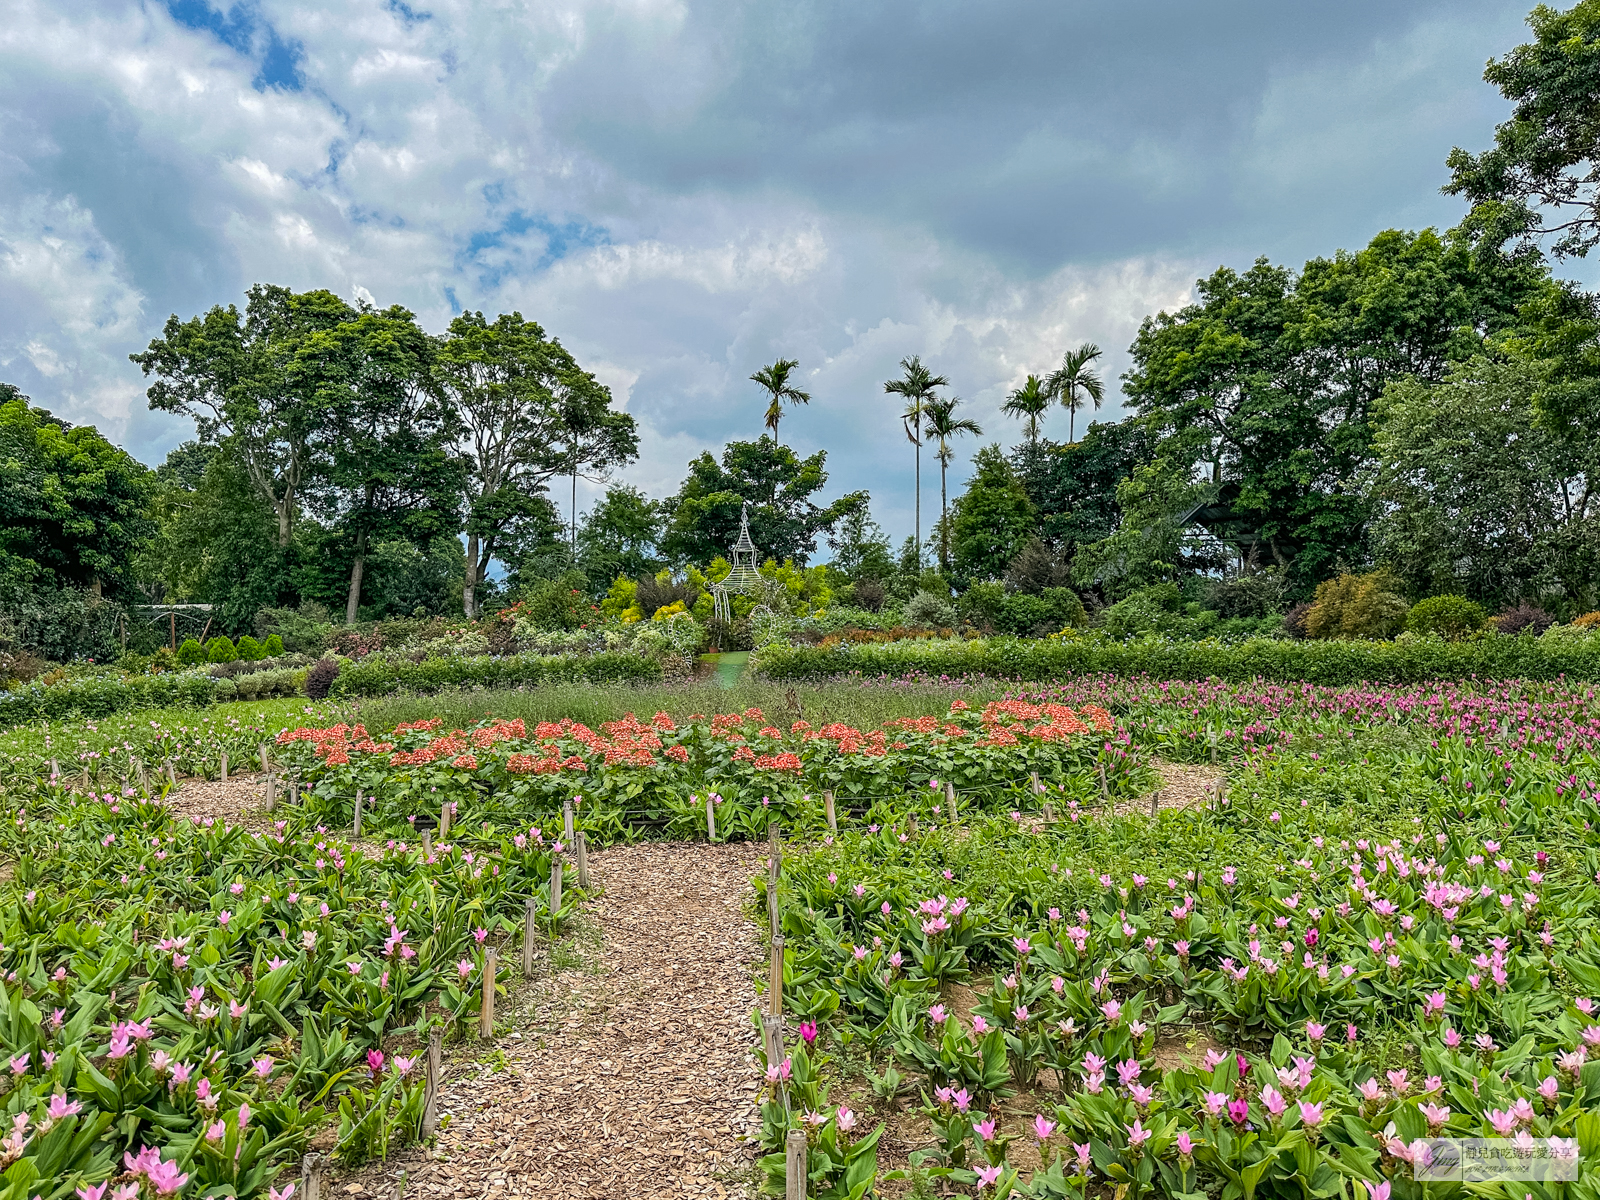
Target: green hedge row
[(102, 695), (1321, 662), (382, 677)]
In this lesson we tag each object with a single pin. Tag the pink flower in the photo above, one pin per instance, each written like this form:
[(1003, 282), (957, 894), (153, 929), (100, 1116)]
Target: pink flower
[(1185, 1145), (1310, 1114), (845, 1119), (375, 1061), (1315, 1032), (214, 1132), (62, 1108), (987, 1176), (1042, 1129), (224, 917), (1273, 1101), (274, 1194), (402, 1066), (937, 1014), (1138, 1135), (979, 1025), (87, 1192), (984, 1130)]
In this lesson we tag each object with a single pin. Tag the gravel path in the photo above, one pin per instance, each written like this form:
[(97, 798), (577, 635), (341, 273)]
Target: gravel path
[(629, 1075)]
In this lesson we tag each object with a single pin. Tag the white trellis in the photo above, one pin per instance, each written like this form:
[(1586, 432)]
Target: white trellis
[(744, 578)]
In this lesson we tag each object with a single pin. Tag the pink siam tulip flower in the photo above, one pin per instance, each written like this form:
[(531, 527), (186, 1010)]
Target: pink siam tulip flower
[(1138, 1135), (984, 1130), (1042, 1129)]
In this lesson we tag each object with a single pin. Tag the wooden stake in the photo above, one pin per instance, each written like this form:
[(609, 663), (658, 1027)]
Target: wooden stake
[(358, 813), (582, 841), (827, 807), (55, 769), (224, 766), (430, 1101), (172, 773), (772, 1039), (794, 1165), (775, 980), (555, 890), (265, 766), (566, 820), (486, 1013), (1155, 803), (311, 1178), (1033, 779), (529, 917), (272, 793), (427, 844), (1049, 812), (711, 819), (1105, 788), (144, 779), (774, 869), (444, 819), (294, 793), (950, 800)]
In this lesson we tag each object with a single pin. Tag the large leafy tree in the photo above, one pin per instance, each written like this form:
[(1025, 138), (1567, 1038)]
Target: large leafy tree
[(1479, 497), (1268, 382), (993, 518), (530, 413), (72, 505), (253, 380), (390, 471), (702, 520), (1541, 179), (1074, 486), (619, 537)]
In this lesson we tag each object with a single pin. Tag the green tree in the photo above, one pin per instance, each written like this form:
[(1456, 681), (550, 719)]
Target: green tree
[(1028, 403), (619, 537), (702, 520), (72, 505), (1478, 497), (860, 548), (252, 379), (1270, 379), (1151, 543), (992, 519), (942, 423), (774, 380), (1542, 177), (1074, 486), (1074, 384), (530, 413), (916, 387)]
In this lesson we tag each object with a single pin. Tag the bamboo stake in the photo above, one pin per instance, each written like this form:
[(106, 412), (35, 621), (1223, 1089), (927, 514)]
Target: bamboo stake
[(775, 980), (950, 800), (1049, 812), (486, 1013), (427, 844), (224, 766), (172, 773), (555, 891), (711, 819), (529, 918), (1155, 802), (311, 1177), (430, 1102), (794, 1165), (827, 807), (272, 793), (566, 820), (1033, 780), (444, 819), (358, 813), (144, 778), (55, 769), (774, 868), (582, 840)]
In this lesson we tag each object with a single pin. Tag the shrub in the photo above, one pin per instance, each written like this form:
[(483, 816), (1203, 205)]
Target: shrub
[(102, 695), (1525, 618), (1294, 621), (869, 594), (1356, 606), (1258, 595), (250, 649), (221, 650), (1447, 616), (191, 653), (319, 680), (305, 630), (381, 676), (929, 610), (272, 647)]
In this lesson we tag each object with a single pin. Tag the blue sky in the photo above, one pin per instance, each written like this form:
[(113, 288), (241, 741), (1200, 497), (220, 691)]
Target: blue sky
[(682, 190)]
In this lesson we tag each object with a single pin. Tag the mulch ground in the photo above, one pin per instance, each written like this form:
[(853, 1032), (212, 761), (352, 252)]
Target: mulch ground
[(629, 1075)]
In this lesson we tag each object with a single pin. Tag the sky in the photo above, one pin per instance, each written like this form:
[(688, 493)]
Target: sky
[(685, 190)]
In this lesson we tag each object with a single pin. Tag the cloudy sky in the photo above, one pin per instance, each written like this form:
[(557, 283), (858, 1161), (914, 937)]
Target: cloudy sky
[(682, 190)]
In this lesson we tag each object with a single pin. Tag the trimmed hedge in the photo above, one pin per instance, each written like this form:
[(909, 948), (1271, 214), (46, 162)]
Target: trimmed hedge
[(382, 677), (102, 695), (1319, 662)]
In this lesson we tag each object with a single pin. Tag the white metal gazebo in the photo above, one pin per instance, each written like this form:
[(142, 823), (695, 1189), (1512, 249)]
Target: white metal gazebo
[(744, 578)]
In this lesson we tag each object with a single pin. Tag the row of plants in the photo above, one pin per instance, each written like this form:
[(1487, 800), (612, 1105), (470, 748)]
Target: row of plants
[(1333, 662), (632, 778), (1385, 934), (99, 695), (184, 1006), (380, 675)]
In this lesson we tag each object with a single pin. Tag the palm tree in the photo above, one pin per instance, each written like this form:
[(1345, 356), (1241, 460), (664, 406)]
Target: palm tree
[(776, 380), (1074, 383), (1028, 403), (917, 387), (943, 424)]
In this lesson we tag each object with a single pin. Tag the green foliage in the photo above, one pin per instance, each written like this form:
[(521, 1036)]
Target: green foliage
[(618, 536), (1357, 606), (929, 610), (191, 653), (304, 630), (1446, 616), (1322, 662), (1023, 613), (992, 520), (377, 676), (702, 520), (249, 649), (1151, 543), (272, 647), (558, 604), (100, 695), (221, 649)]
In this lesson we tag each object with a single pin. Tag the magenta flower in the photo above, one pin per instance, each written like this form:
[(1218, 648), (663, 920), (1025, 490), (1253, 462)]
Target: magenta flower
[(808, 1032), (984, 1130), (1238, 1110), (987, 1176), (1042, 1129), (375, 1061), (1138, 1135)]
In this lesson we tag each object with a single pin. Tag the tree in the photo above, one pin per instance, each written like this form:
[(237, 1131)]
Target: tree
[(942, 423), (702, 520), (860, 548), (390, 471), (1151, 544), (1543, 175), (1269, 380), (1028, 403), (1074, 487), (252, 380), (916, 388), (992, 520), (1073, 383), (1478, 497), (775, 380), (619, 537), (530, 412), (72, 505)]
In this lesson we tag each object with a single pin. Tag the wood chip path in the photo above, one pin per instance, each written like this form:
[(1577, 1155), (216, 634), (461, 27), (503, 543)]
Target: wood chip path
[(631, 1075)]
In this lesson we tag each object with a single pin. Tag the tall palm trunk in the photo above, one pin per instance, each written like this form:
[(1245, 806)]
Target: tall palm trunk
[(944, 517), (919, 492)]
